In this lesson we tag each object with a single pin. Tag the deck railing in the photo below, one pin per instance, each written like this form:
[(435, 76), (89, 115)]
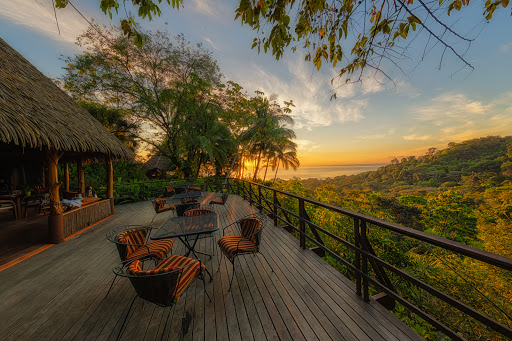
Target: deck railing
[(372, 273), (268, 200)]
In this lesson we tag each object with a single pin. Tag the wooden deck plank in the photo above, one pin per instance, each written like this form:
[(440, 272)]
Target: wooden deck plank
[(59, 293)]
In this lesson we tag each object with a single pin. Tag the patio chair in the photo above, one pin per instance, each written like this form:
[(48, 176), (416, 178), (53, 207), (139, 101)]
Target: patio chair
[(248, 242), (45, 203), (192, 188), (160, 205), (169, 190), (31, 202), (9, 205), (198, 211), (163, 285), (132, 244), (219, 200)]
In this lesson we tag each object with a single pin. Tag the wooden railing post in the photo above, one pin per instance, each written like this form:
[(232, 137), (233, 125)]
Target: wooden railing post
[(275, 207), (66, 176), (302, 224), (260, 206), (366, 293), (357, 256), (110, 182), (81, 176)]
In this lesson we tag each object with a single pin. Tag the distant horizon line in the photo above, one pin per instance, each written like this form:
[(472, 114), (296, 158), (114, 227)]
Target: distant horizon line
[(347, 164)]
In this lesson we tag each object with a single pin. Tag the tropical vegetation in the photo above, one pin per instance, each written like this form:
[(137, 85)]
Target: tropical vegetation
[(169, 96), (463, 193)]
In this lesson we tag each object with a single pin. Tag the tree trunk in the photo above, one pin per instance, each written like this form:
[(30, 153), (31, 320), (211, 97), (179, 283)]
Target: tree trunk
[(55, 220), (266, 169), (201, 156), (275, 176), (257, 167)]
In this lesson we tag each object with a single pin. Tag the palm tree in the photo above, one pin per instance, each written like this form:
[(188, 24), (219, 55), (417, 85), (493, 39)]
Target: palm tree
[(286, 158), (269, 127)]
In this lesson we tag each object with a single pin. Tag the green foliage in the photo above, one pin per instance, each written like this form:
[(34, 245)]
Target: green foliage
[(446, 215), (474, 207)]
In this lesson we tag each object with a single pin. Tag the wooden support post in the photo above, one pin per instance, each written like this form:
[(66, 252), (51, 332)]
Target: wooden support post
[(42, 176), (357, 258), (55, 220), (66, 176), (275, 208), (302, 224), (81, 176), (366, 291), (110, 182)]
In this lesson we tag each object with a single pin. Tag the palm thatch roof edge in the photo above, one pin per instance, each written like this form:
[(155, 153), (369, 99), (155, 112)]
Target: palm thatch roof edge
[(36, 113)]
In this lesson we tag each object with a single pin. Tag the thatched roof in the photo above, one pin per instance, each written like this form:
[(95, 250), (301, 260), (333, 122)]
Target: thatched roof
[(158, 162), (36, 113)]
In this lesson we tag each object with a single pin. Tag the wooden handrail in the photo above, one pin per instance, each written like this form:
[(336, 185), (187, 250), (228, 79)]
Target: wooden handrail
[(255, 193)]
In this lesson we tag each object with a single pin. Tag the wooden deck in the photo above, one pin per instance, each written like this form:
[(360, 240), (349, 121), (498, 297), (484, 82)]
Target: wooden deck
[(59, 294)]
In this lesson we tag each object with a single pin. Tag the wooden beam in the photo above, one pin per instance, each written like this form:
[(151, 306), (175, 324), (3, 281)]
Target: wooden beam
[(66, 176), (55, 221), (81, 176), (42, 176), (110, 178), (110, 181)]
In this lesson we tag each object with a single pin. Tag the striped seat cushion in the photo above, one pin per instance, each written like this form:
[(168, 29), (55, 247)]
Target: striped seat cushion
[(198, 211), (217, 201), (158, 249), (230, 246), (169, 264)]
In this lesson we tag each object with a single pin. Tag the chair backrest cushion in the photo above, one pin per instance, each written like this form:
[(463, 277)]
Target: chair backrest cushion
[(158, 289), (249, 226), (132, 238), (158, 204), (198, 211)]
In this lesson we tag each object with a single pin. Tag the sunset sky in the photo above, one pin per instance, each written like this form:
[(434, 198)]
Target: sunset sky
[(368, 123)]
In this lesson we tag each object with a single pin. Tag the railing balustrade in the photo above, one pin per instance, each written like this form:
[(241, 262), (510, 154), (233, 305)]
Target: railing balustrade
[(273, 201)]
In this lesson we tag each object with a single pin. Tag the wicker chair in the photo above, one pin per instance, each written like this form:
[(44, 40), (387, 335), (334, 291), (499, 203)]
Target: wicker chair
[(248, 242), (219, 200), (197, 211), (31, 202), (132, 244), (9, 205), (45, 203), (169, 190), (164, 284), (160, 205)]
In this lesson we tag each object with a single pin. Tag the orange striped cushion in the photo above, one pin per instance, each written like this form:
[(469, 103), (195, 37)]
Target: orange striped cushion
[(168, 265), (198, 211), (249, 226), (229, 244), (159, 249), (216, 201), (133, 238)]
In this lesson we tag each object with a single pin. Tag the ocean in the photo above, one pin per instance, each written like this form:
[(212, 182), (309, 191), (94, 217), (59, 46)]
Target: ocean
[(322, 172)]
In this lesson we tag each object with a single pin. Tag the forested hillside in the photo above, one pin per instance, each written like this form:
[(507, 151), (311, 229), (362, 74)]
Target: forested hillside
[(463, 193)]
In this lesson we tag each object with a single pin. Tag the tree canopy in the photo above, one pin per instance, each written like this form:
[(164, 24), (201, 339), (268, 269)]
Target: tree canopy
[(172, 92), (354, 35)]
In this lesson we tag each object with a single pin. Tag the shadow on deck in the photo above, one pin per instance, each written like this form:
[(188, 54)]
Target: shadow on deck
[(59, 293)]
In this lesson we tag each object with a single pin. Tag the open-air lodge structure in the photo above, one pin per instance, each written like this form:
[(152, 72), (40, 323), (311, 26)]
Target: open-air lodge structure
[(291, 293), (41, 127)]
